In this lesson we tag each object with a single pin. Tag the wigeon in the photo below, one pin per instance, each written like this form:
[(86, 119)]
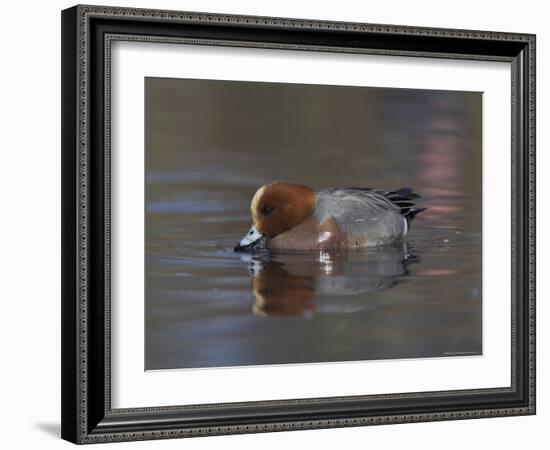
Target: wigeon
[(288, 216)]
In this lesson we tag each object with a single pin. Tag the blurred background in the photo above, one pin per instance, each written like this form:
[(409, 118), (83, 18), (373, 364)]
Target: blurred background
[(211, 144)]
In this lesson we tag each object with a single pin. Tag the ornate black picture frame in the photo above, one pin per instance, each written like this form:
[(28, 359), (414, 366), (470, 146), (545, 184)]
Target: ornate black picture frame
[(87, 34)]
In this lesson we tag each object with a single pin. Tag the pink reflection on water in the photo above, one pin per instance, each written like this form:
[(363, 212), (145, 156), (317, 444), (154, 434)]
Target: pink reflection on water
[(442, 163)]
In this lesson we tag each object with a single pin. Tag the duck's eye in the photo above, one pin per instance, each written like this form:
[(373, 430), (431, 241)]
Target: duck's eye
[(267, 210)]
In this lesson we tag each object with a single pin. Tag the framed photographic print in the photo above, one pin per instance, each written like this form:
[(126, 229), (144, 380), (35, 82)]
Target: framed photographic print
[(276, 224)]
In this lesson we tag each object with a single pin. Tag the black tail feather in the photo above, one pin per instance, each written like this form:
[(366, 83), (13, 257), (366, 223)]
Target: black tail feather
[(412, 214), (404, 199)]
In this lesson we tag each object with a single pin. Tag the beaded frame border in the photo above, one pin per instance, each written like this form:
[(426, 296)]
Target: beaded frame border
[(84, 14)]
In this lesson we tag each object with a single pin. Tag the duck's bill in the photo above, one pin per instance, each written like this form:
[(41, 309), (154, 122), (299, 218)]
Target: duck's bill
[(251, 240)]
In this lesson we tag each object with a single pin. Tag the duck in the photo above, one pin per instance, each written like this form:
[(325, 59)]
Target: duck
[(289, 216)]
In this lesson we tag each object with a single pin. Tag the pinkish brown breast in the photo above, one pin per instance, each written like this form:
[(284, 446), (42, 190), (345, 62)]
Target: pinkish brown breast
[(309, 235)]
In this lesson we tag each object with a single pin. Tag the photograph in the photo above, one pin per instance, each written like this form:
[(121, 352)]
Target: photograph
[(279, 222), (304, 223)]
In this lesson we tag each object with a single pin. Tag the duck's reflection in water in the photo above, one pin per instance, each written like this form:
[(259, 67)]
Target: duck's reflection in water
[(286, 284)]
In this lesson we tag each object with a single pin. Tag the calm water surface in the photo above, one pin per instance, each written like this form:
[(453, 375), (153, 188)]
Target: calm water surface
[(210, 145)]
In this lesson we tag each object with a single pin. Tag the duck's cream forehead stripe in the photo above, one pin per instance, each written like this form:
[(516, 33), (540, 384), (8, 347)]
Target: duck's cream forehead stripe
[(256, 199)]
